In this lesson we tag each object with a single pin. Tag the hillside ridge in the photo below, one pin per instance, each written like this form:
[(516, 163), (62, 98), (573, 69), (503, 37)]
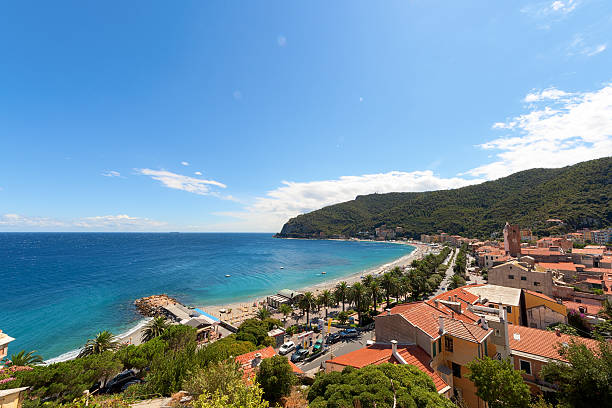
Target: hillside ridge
[(578, 194)]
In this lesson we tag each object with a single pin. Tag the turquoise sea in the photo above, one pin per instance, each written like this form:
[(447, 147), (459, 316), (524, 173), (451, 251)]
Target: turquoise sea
[(59, 289)]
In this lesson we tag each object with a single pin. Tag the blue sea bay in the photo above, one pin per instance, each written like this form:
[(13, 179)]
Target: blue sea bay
[(61, 288)]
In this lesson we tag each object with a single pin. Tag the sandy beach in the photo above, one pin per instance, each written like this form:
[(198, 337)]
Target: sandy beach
[(237, 312)]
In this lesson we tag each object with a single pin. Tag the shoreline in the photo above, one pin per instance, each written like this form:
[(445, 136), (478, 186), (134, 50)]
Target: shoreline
[(248, 307)]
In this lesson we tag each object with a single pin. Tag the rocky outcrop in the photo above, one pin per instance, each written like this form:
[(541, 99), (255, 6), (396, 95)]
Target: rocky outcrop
[(151, 305)]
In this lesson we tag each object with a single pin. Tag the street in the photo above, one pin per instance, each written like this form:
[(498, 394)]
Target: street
[(338, 349)]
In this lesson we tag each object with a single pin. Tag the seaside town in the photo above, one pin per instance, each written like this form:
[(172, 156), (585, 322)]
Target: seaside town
[(459, 310)]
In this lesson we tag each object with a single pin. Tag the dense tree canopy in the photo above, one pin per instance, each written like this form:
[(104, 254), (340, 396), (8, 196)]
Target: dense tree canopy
[(498, 383), (587, 380), (375, 386)]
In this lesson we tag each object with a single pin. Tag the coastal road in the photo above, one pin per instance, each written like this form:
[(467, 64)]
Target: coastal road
[(338, 349), (449, 273)]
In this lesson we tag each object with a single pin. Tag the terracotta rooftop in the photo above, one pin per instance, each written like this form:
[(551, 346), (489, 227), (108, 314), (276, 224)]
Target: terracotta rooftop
[(589, 309), (422, 315), (542, 343), (466, 331), (379, 353), (598, 270), (540, 295), (560, 266), (540, 251)]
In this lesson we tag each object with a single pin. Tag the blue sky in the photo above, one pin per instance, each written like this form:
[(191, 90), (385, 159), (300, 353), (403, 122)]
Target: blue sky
[(227, 116)]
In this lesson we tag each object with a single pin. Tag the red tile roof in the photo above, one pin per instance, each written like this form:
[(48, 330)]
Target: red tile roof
[(589, 309), (540, 295), (539, 251), (542, 343), (466, 331), (422, 315), (245, 361), (379, 353), (561, 266)]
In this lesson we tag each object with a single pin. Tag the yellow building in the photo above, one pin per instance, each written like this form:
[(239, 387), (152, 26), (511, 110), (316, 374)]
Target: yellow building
[(542, 310)]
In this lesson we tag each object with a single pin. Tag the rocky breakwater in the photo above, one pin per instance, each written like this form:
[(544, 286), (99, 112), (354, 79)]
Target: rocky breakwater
[(151, 305)]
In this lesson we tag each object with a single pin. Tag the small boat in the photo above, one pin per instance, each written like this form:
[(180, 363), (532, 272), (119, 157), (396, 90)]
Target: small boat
[(323, 273), (282, 267), (227, 276)]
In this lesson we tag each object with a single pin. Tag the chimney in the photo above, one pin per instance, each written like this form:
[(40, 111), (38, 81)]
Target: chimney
[(484, 324), (436, 302), (256, 360), (441, 324), (557, 332), (388, 312), (394, 346)]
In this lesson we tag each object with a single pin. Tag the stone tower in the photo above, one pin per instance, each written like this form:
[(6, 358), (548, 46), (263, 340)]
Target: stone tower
[(512, 240)]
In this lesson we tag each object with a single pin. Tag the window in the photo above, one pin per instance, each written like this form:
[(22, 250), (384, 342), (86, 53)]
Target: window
[(525, 366), (509, 309), (523, 278), (536, 283), (439, 345), (485, 346), (456, 370), (510, 276), (448, 344), (435, 346)]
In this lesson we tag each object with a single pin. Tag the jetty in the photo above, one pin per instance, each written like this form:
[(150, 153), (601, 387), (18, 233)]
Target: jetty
[(152, 306)]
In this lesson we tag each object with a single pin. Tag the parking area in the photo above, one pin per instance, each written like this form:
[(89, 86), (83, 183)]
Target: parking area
[(341, 347)]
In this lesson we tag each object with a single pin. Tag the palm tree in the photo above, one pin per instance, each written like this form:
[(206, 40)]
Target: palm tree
[(26, 359), (154, 328), (104, 341), (375, 292), (306, 303), (388, 283), (327, 299), (455, 282), (342, 290), (358, 293), (405, 286), (286, 310), (263, 313)]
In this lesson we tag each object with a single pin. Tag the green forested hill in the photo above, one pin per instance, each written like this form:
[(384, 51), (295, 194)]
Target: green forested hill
[(579, 195)]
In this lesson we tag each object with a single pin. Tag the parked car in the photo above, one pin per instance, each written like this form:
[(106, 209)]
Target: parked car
[(286, 348), (332, 338), (120, 382), (349, 334), (318, 346), (299, 355)]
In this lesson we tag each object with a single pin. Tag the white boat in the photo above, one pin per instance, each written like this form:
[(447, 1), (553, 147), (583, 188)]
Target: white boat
[(323, 273), (227, 276), (282, 267)]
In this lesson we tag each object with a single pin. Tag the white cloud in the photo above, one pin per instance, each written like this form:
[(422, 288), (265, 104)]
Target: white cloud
[(184, 163), (198, 173), (549, 93), (560, 129), (580, 46), (182, 182), (596, 49), (281, 41), (120, 222), (111, 173), (292, 198), (550, 9)]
